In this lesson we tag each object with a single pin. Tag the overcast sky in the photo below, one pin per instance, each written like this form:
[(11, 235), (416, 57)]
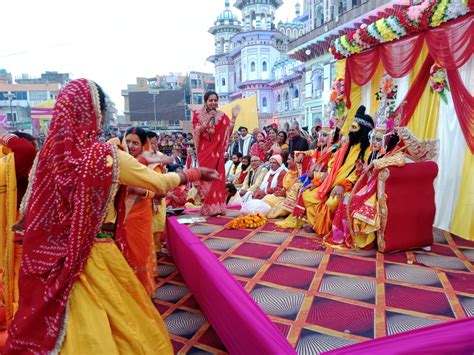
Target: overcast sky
[(111, 42)]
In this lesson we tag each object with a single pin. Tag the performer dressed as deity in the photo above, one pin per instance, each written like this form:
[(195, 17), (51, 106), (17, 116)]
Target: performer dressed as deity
[(212, 130), (312, 168), (363, 202), (357, 219), (321, 202)]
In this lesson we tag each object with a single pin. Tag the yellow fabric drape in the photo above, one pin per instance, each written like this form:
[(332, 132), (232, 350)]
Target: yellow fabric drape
[(424, 123), (462, 223), (8, 203), (248, 116), (341, 68), (374, 88), (356, 97)]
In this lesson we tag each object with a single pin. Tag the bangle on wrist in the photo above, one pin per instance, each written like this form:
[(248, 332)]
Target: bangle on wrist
[(193, 175)]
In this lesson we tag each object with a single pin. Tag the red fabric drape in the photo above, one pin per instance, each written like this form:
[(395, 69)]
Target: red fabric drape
[(463, 105), (399, 57), (415, 92), (360, 68), (450, 45)]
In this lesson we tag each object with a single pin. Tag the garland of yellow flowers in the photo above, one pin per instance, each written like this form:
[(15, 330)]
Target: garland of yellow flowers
[(395, 27), (245, 222), (385, 31), (439, 13)]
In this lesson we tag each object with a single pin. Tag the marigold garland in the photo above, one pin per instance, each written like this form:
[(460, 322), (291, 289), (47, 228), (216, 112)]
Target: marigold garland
[(417, 18), (244, 222)]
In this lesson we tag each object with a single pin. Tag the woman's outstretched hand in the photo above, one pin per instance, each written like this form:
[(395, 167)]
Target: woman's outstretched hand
[(235, 111), (209, 174)]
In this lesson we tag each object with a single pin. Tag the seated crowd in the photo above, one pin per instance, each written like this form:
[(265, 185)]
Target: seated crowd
[(301, 179)]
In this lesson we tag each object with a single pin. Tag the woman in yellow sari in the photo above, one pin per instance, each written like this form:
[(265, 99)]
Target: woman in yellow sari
[(77, 292)]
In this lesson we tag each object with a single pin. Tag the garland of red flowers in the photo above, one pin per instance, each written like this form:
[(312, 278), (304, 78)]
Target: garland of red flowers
[(416, 18)]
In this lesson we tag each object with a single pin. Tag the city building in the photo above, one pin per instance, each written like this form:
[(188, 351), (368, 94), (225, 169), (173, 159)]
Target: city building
[(165, 102), (250, 59), (289, 69), (5, 77), (45, 78), (197, 85), (324, 21), (16, 101)]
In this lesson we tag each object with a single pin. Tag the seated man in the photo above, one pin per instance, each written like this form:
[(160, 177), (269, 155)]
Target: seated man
[(273, 180), (233, 198), (254, 178), (242, 174), (277, 200), (234, 168), (321, 202)]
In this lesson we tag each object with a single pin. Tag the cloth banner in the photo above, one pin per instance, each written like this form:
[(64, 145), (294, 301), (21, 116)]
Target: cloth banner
[(248, 116)]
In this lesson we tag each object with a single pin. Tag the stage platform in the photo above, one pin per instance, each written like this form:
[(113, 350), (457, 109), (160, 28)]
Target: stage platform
[(278, 291)]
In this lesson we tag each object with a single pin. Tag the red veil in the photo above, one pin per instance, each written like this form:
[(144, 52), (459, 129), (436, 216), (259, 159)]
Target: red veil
[(73, 184)]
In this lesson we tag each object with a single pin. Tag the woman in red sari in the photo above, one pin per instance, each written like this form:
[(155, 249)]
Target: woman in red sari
[(212, 129)]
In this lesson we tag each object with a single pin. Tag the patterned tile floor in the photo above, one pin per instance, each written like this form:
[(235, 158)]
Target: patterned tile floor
[(189, 329), (323, 298)]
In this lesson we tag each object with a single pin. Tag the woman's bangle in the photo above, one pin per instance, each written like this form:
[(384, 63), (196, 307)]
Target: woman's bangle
[(193, 175)]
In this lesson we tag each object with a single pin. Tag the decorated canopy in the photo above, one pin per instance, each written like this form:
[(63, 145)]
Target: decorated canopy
[(427, 51), (41, 116)]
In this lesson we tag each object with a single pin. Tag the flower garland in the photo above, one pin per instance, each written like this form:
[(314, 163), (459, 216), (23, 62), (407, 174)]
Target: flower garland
[(387, 94), (417, 18), (243, 222), (438, 81), (338, 97)]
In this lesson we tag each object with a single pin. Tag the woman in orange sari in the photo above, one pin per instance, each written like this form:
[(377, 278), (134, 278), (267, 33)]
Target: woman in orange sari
[(139, 219)]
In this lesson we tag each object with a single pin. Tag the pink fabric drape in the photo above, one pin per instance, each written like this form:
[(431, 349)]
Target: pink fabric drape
[(455, 337), (451, 45), (369, 61), (463, 105), (240, 323)]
